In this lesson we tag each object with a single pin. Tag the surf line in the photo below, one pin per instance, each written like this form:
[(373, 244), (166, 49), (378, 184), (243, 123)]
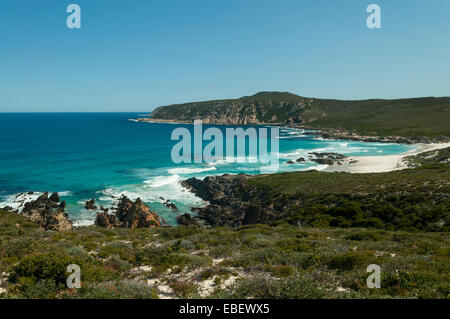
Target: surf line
[(214, 151)]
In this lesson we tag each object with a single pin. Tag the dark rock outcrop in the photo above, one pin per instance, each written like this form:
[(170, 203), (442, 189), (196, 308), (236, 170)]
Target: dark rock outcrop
[(106, 220), (187, 220), (54, 198), (327, 158), (227, 205), (48, 212), (90, 204), (169, 204), (128, 214), (340, 134)]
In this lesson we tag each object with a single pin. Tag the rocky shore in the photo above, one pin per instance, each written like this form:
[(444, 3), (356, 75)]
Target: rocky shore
[(337, 134), (47, 212), (325, 133), (128, 214), (226, 205)]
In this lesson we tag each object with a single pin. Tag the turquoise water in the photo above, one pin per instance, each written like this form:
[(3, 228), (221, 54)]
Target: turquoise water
[(104, 155)]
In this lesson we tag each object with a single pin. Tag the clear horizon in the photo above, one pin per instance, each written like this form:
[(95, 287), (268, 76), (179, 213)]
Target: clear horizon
[(146, 111), (135, 56)]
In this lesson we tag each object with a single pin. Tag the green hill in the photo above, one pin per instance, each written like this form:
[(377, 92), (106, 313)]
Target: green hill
[(428, 116)]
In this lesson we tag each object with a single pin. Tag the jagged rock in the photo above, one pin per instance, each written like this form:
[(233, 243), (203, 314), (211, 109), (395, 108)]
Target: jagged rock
[(129, 214), (169, 204), (187, 220), (103, 209), (90, 204), (225, 208), (300, 159), (55, 198), (326, 161), (327, 158), (289, 162), (104, 219), (337, 134), (48, 212)]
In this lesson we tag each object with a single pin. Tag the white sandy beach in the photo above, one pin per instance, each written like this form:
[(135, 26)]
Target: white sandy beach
[(386, 163)]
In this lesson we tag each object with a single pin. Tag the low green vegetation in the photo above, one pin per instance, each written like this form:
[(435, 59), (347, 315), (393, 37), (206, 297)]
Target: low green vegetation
[(431, 159), (411, 199), (256, 261)]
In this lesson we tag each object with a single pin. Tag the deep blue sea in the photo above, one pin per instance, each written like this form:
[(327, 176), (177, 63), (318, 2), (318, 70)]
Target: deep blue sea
[(104, 155)]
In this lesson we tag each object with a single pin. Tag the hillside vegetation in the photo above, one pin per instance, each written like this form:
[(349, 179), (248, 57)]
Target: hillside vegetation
[(255, 261), (411, 199), (427, 116)]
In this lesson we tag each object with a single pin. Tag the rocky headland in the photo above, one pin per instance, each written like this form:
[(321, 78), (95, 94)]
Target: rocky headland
[(226, 205), (375, 120), (128, 214), (46, 211)]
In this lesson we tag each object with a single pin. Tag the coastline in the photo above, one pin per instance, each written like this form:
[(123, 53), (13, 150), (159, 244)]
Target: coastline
[(325, 133), (383, 163), (364, 164)]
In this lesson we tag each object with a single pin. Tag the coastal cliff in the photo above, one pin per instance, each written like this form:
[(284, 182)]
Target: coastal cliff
[(261, 108), (416, 119)]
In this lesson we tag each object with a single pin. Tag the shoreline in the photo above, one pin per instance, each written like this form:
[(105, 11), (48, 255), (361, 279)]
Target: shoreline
[(384, 163), (325, 133), (364, 164)]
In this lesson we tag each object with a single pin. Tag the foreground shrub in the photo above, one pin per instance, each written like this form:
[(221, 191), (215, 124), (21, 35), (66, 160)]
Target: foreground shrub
[(346, 261), (115, 290), (42, 266), (289, 288)]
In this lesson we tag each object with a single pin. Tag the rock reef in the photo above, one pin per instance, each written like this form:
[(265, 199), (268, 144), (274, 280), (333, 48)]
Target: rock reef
[(129, 214), (226, 209), (48, 212)]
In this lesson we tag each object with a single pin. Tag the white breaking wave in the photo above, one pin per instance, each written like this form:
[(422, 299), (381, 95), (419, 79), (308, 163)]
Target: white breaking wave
[(17, 201), (292, 136), (318, 167), (65, 193), (83, 222), (162, 181), (168, 187), (185, 170)]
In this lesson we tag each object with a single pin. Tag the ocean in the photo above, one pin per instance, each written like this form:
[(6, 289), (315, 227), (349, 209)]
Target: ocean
[(104, 155)]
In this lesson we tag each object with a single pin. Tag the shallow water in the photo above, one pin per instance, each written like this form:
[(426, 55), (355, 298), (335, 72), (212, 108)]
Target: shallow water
[(104, 155)]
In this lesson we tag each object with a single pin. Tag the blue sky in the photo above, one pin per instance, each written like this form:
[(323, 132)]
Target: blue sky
[(138, 54)]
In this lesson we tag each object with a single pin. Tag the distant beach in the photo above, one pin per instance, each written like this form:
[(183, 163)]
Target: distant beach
[(384, 163)]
